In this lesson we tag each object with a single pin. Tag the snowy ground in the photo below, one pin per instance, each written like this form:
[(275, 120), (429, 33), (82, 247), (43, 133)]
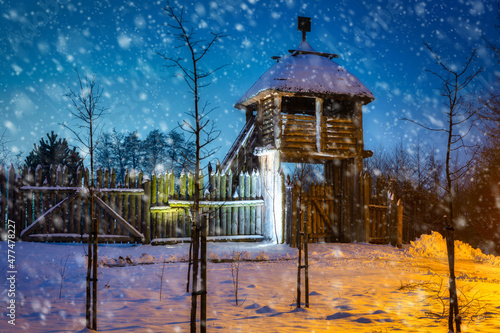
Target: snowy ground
[(353, 288)]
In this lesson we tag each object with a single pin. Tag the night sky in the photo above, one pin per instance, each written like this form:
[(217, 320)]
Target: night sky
[(379, 42)]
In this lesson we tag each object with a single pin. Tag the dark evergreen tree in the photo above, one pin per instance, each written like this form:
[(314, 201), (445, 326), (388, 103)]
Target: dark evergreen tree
[(54, 151)]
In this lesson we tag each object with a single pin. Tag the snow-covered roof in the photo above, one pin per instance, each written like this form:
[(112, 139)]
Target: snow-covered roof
[(308, 71)]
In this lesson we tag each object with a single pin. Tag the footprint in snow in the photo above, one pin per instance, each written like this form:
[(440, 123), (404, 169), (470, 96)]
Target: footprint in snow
[(314, 293)]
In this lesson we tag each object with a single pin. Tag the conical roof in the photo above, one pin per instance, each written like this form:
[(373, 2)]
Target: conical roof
[(309, 72)]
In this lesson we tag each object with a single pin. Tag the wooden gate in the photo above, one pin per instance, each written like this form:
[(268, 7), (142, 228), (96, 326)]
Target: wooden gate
[(324, 216), (318, 213), (58, 211)]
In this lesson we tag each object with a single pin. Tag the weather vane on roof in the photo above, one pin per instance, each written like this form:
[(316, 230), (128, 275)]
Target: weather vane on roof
[(304, 25)]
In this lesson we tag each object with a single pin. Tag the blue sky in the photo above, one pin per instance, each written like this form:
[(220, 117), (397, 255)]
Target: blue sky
[(380, 42)]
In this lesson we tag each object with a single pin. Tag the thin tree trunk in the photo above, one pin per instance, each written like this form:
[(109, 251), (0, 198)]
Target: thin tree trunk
[(194, 292), (203, 306), (89, 277), (299, 247), (450, 239)]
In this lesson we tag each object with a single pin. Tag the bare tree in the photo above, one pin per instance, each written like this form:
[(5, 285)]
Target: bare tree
[(302, 178), (5, 152), (460, 116), (87, 113), (201, 128)]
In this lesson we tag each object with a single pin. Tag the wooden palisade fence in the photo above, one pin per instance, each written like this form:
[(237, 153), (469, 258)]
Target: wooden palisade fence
[(133, 209), (327, 221)]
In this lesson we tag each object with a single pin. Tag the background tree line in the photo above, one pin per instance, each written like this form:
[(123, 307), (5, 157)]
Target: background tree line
[(157, 152)]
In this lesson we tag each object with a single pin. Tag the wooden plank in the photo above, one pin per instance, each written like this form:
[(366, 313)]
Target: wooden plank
[(11, 190), (30, 181), (125, 204), (138, 209), (85, 209), (132, 200), (3, 196), (68, 238), (98, 211), (107, 220), (253, 196), (112, 203)]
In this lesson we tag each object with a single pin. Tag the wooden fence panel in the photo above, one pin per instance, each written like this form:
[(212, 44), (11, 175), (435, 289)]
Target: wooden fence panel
[(159, 210)]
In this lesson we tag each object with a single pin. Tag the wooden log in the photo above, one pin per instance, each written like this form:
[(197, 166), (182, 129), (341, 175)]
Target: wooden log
[(125, 203), (132, 200), (171, 184), (86, 204), (260, 210), (112, 203), (3, 197), (211, 196), (119, 209), (235, 216), (65, 218), (155, 228), (98, 209), (253, 195), (229, 197), (106, 220), (146, 200), (30, 181), (223, 209), (138, 209), (19, 206), (78, 203), (183, 185), (247, 209), (241, 210), (49, 226), (173, 225)]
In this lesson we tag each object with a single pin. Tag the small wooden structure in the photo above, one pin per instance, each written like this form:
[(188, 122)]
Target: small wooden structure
[(304, 109)]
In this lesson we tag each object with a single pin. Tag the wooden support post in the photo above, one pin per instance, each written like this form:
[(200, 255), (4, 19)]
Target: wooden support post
[(399, 241), (277, 121), (319, 123), (366, 202)]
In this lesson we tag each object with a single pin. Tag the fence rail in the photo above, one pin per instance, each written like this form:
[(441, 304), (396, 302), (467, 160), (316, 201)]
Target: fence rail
[(134, 209)]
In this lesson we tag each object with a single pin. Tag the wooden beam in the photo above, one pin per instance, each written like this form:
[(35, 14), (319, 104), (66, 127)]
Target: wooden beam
[(323, 215)]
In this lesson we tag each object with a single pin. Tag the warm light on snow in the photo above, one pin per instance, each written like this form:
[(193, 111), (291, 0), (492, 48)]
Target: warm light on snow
[(353, 288)]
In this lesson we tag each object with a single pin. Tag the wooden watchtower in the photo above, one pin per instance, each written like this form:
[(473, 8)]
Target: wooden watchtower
[(305, 108)]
